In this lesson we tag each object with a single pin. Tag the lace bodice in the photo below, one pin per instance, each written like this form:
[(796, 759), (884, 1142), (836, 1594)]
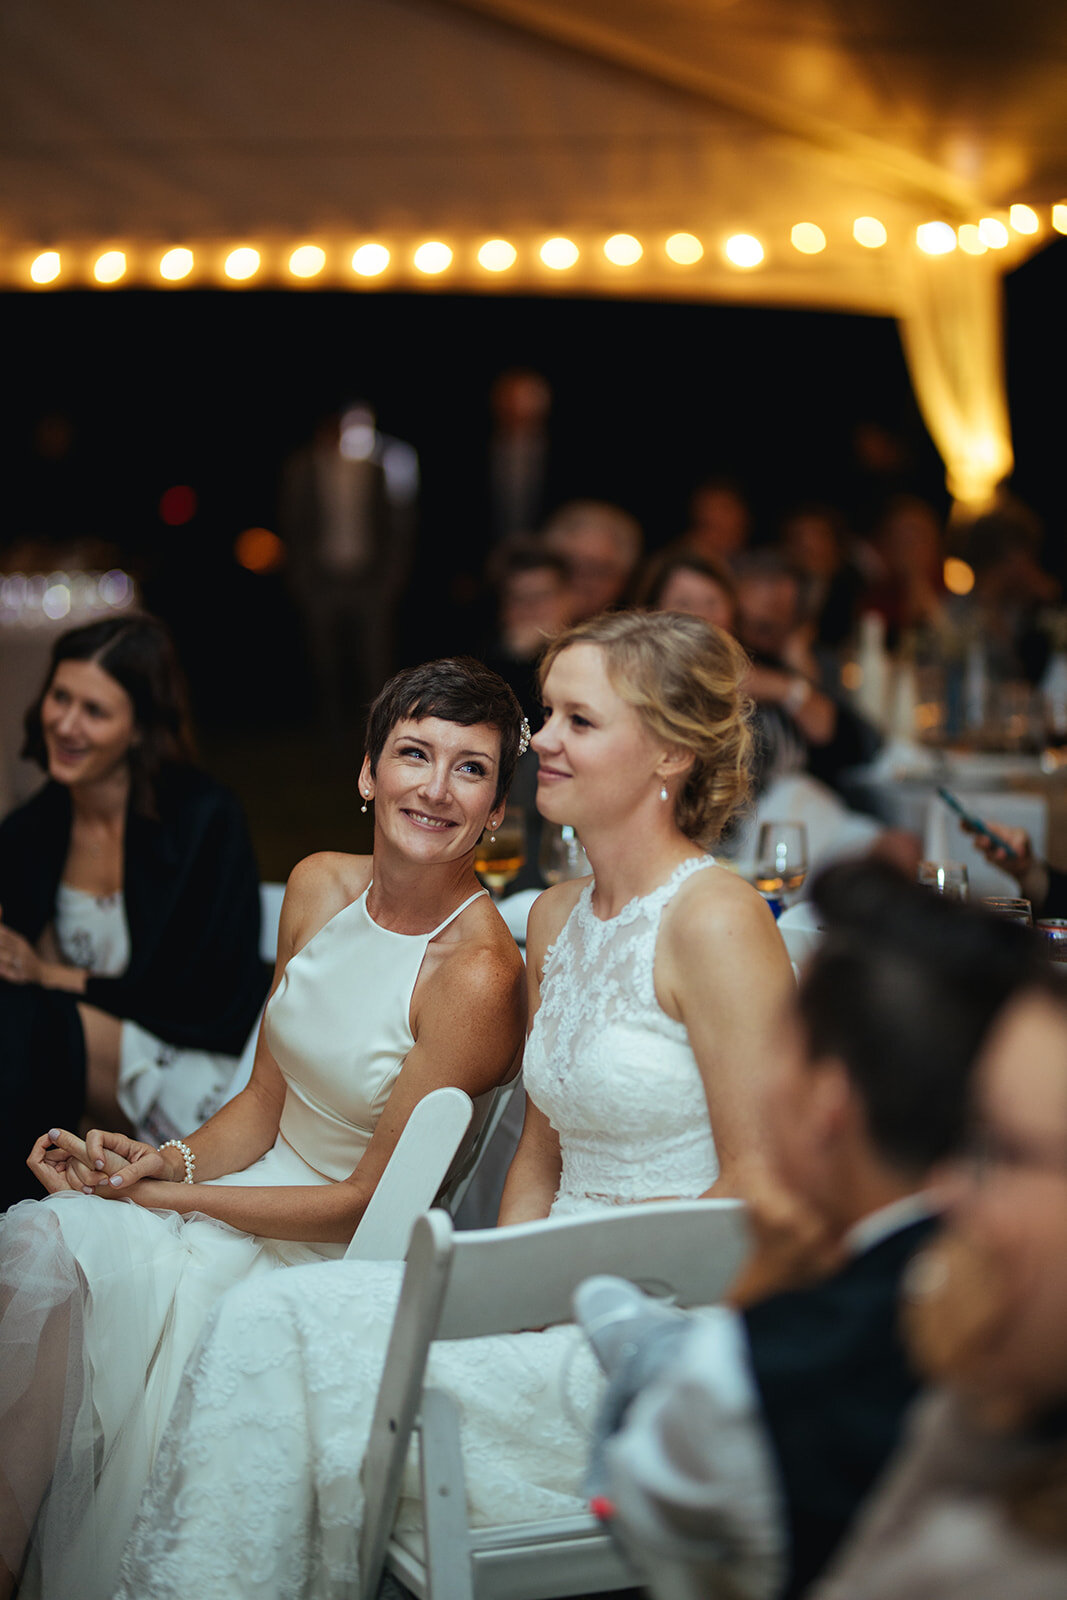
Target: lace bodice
[(613, 1073)]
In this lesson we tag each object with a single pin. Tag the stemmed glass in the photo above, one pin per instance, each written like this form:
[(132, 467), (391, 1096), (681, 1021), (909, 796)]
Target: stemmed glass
[(781, 860), (499, 858), (561, 854)]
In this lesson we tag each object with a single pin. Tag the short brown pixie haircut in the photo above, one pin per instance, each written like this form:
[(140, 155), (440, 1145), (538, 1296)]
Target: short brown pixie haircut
[(457, 689)]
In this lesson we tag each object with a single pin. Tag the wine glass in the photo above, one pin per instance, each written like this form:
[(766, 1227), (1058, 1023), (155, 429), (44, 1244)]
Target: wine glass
[(944, 877), (561, 855), (781, 860), (500, 857)]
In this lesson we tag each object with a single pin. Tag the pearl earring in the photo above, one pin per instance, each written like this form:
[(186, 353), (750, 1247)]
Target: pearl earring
[(663, 793), (363, 807)]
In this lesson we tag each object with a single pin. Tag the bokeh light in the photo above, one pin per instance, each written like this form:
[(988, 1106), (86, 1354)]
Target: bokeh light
[(684, 249), (307, 261), (55, 602), (110, 267), (176, 264), (433, 257), (935, 238), (370, 259), (559, 253), (992, 232), (743, 250), (242, 263), (971, 241), (622, 249), (45, 268), (1059, 216), (259, 550), (808, 238), (1024, 219), (497, 255), (959, 577), (177, 505), (869, 232)]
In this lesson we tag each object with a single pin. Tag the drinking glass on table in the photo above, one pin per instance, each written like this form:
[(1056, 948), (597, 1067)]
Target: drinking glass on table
[(944, 877), (561, 855), (1012, 907), (781, 860), (500, 857)]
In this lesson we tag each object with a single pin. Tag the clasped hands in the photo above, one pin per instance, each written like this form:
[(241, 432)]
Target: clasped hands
[(110, 1165)]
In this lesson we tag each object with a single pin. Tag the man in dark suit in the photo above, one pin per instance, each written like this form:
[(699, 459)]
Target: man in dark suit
[(759, 1429)]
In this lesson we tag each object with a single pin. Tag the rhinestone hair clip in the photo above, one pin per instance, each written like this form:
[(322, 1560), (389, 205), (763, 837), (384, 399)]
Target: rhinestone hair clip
[(524, 736)]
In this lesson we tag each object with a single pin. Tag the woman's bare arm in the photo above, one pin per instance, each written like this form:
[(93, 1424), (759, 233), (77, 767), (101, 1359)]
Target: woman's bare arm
[(724, 971)]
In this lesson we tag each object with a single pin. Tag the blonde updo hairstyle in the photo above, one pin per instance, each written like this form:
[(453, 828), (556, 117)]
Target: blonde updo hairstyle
[(684, 679)]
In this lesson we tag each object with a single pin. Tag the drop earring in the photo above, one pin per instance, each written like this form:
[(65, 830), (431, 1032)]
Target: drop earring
[(363, 807), (663, 793)]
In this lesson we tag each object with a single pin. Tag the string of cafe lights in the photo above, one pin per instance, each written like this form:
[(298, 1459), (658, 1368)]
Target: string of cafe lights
[(374, 261)]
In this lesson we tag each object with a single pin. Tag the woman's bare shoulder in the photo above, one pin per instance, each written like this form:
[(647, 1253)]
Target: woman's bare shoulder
[(320, 886), (718, 901), (550, 910)]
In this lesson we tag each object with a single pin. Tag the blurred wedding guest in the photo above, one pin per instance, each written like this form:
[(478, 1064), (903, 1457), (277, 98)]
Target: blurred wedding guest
[(520, 401), (130, 976), (696, 585), (1010, 587), (346, 510), (975, 1504), (814, 543), (804, 724), (906, 585), (601, 544), (534, 603), (719, 520), (759, 1430), (1012, 851)]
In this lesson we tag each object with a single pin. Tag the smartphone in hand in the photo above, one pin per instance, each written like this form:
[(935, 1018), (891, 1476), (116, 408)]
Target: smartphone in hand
[(975, 823)]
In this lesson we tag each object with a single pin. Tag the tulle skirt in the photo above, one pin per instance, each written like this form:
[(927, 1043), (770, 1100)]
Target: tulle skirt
[(101, 1303)]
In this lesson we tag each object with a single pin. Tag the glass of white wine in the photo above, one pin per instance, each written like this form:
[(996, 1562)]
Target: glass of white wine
[(781, 860), (499, 858), (561, 855)]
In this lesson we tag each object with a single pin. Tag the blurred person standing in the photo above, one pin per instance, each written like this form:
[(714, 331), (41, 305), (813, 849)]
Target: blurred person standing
[(520, 402), (601, 544), (347, 513)]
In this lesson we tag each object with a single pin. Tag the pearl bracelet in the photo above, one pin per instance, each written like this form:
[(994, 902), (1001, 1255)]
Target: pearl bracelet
[(186, 1155)]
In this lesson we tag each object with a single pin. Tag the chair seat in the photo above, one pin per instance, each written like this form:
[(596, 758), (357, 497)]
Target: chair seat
[(555, 1557)]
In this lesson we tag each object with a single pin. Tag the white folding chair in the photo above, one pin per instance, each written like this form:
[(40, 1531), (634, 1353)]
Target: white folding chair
[(464, 1285), (414, 1174)]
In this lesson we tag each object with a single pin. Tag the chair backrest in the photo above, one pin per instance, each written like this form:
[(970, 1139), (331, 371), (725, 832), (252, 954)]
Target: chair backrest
[(413, 1176), (505, 1280), (489, 1110)]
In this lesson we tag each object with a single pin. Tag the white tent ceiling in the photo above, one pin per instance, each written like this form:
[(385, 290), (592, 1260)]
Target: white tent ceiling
[(271, 121), (138, 125)]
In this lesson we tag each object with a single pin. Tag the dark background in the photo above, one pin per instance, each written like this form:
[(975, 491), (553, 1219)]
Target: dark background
[(213, 389)]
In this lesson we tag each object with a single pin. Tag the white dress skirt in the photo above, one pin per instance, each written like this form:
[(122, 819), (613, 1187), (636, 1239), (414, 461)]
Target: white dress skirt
[(102, 1301), (256, 1491)]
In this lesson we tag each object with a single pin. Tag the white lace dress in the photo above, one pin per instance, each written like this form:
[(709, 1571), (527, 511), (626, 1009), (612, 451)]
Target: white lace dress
[(256, 1488)]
